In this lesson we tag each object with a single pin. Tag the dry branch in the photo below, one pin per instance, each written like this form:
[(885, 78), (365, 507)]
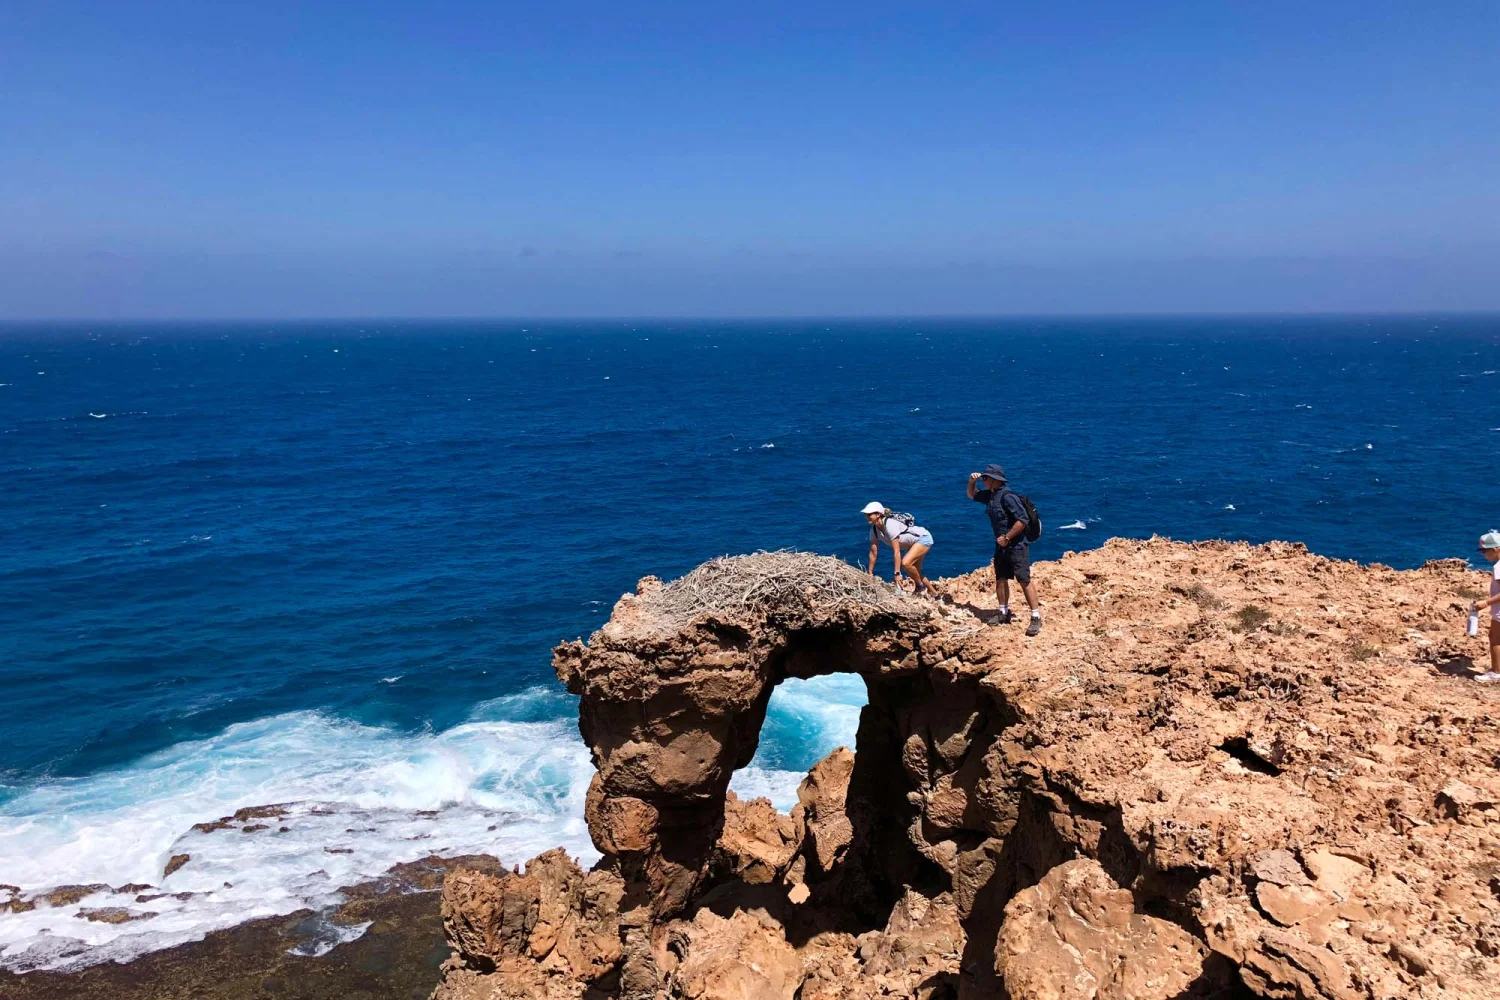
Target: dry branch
[(766, 584)]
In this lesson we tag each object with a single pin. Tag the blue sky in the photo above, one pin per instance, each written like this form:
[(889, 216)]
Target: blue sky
[(306, 159)]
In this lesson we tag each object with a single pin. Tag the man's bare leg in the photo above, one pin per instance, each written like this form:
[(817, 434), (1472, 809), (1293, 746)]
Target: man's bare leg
[(1002, 596), (1034, 626), (1029, 590)]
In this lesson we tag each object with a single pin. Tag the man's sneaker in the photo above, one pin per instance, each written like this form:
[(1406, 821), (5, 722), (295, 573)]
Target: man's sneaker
[(1488, 677), (1002, 618), (1035, 626)]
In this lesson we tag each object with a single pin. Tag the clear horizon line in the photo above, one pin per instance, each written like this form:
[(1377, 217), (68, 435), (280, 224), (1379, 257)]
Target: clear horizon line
[(749, 317)]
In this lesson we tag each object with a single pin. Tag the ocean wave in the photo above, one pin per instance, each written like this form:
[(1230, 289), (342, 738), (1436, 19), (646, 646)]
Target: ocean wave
[(805, 720), (507, 788), (509, 781)]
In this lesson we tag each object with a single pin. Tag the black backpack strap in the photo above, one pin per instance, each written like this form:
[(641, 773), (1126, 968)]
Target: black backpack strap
[(1006, 491), (1019, 499)]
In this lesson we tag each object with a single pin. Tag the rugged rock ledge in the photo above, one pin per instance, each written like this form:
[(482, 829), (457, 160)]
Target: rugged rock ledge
[(397, 957), (1221, 771)]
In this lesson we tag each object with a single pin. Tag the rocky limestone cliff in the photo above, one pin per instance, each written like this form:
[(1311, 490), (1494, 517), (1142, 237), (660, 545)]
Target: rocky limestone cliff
[(1221, 771)]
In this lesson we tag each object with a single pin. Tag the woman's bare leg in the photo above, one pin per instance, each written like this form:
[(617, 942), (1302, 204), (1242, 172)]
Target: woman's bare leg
[(921, 565), (912, 564), (1495, 645)]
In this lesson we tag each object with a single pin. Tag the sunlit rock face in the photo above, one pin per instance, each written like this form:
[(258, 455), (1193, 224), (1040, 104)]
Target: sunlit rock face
[(1220, 771)]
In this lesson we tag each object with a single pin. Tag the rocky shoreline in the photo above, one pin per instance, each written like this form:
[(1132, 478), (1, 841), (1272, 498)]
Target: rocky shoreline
[(396, 954), (1222, 771)]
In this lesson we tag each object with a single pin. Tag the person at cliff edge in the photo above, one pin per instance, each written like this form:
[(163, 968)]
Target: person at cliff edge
[(898, 531), (1489, 548), (1012, 551)]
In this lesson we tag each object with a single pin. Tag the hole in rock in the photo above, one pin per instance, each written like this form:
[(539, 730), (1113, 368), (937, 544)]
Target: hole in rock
[(1238, 747), (854, 862), (806, 720)]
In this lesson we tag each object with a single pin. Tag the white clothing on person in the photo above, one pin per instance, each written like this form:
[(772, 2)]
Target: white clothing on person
[(898, 529), (1495, 592)]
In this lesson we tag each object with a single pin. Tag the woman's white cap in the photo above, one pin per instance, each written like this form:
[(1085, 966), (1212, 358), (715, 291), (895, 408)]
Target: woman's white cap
[(873, 508), (1489, 540)]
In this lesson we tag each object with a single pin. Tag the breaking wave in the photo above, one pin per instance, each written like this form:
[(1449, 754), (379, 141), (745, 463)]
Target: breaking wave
[(510, 781)]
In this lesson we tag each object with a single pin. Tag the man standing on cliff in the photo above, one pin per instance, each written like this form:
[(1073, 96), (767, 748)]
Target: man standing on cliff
[(1012, 551)]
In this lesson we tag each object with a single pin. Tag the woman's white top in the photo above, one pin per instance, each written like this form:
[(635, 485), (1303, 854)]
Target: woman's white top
[(893, 528)]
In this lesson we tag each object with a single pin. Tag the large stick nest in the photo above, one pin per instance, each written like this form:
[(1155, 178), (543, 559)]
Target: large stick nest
[(780, 584)]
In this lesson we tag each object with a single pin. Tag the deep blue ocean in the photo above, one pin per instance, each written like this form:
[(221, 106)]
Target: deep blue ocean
[(326, 563)]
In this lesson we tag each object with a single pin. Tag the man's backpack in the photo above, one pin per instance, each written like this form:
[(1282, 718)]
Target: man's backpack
[(1033, 519)]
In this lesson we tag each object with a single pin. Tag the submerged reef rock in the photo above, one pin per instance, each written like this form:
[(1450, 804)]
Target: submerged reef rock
[(1221, 771)]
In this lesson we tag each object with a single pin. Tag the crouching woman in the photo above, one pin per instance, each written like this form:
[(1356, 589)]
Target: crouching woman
[(899, 531)]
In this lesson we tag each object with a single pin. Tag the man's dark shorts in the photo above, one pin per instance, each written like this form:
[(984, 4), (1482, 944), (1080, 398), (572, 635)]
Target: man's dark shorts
[(1013, 563)]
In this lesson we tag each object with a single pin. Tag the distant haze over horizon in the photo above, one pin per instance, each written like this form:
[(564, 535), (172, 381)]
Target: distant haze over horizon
[(312, 160)]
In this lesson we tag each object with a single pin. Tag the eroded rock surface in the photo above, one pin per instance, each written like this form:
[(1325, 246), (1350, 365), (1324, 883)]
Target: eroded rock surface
[(743, 957), (1076, 935), (1220, 771), (547, 933)]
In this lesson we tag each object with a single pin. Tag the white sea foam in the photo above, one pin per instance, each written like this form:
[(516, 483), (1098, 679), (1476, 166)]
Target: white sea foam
[(507, 788), (510, 782), (823, 712), (778, 785), (325, 935), (1075, 526)]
